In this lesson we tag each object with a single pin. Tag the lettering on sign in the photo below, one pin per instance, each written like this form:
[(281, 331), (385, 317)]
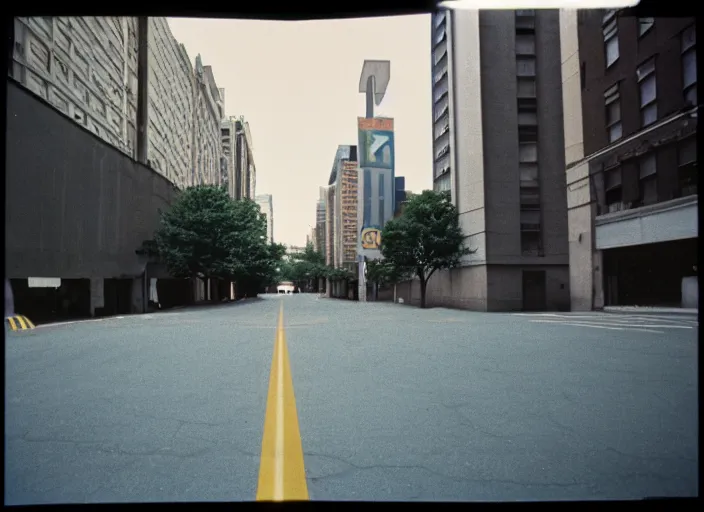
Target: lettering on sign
[(383, 124), (371, 238)]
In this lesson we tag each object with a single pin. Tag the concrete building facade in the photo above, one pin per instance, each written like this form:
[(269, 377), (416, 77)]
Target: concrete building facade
[(497, 148), (86, 67), (266, 203), (630, 101), (237, 161), (320, 222)]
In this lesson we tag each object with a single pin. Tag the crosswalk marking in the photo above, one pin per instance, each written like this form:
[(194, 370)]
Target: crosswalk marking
[(580, 324), (642, 323)]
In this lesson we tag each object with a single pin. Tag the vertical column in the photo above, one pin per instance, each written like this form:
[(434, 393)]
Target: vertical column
[(137, 295), (97, 294), (143, 89), (9, 299)]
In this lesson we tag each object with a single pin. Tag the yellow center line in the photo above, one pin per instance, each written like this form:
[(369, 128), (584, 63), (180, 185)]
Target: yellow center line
[(282, 475)]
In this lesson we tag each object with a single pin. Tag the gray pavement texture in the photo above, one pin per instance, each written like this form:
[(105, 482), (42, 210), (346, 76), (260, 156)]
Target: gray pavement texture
[(394, 403)]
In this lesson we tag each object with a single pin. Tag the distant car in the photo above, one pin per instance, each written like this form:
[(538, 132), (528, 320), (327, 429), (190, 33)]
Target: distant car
[(285, 287)]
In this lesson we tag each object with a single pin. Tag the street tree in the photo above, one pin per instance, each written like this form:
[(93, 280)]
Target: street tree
[(206, 234), (257, 258), (197, 236), (427, 237), (305, 266)]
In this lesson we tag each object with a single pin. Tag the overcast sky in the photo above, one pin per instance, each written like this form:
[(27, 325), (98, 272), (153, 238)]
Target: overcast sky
[(297, 84)]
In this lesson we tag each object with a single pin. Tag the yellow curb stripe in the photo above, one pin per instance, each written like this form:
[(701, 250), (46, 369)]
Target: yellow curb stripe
[(30, 324), (21, 321), (13, 326), (282, 475)]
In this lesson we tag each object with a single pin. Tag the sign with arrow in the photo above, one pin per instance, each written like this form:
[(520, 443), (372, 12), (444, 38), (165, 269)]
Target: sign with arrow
[(376, 141)]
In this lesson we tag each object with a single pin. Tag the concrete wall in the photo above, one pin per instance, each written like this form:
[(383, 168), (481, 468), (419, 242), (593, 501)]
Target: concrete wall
[(85, 67), (468, 174), (661, 222), (76, 207), (171, 104), (466, 288)]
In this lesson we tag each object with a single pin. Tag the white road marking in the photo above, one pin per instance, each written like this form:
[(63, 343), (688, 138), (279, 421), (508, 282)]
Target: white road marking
[(582, 324)]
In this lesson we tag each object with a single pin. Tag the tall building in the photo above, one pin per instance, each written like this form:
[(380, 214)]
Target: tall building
[(320, 222), (341, 208), (86, 67), (498, 132), (630, 105), (237, 162), (330, 224), (266, 204), (208, 115)]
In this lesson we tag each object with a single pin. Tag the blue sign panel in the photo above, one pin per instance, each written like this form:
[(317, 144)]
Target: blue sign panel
[(377, 149)]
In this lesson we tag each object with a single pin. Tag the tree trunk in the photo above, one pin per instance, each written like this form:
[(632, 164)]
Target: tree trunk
[(422, 293)]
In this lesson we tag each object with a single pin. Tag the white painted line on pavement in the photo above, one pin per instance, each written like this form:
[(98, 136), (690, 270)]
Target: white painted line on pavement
[(581, 324)]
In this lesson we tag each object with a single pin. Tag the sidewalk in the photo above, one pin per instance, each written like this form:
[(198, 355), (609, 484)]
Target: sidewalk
[(651, 310)]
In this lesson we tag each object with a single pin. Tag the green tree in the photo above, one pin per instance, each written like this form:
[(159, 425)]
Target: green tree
[(305, 266), (208, 235), (427, 237), (257, 259), (197, 235), (383, 272)]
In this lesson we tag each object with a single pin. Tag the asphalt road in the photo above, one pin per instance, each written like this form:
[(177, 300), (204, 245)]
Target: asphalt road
[(392, 403)]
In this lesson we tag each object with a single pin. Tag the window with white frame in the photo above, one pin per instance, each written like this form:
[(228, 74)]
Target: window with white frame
[(644, 25), (689, 65), (610, 32), (647, 84), (648, 185), (612, 99)]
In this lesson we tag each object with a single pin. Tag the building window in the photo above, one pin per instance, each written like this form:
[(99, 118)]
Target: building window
[(526, 87), (525, 21), (527, 118), (644, 25), (528, 172), (612, 99), (612, 187), (610, 31), (530, 198), (530, 220), (531, 243), (527, 134), (439, 36), (648, 180), (527, 105), (442, 184), (528, 153), (689, 65), (647, 85), (687, 167), (525, 44), (439, 18), (525, 66)]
